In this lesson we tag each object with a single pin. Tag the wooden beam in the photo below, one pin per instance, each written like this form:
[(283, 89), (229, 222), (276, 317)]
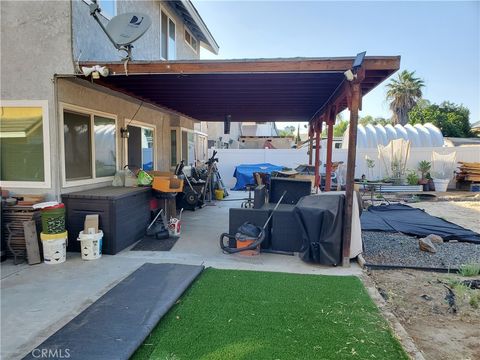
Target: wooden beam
[(310, 144), (355, 99), (330, 123), (318, 130), (249, 66)]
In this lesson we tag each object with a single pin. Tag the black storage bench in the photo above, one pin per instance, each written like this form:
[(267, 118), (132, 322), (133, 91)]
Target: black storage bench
[(124, 214)]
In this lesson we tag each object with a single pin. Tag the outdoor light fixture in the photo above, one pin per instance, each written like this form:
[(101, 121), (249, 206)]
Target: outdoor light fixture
[(95, 71), (351, 74), (226, 124), (357, 63), (124, 133)]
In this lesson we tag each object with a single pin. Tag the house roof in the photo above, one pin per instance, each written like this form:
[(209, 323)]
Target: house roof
[(195, 23), (260, 90)]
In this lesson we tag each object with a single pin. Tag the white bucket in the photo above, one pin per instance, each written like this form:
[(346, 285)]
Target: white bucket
[(441, 184), (54, 248), (91, 245)]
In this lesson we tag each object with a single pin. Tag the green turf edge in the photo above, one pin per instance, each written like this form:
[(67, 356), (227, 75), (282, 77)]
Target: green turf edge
[(211, 313)]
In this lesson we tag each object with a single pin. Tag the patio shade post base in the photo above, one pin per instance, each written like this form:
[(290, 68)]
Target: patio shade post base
[(346, 261)]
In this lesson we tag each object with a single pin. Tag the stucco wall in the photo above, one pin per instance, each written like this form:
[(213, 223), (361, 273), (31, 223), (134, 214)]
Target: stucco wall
[(35, 44), (84, 94), (91, 43)]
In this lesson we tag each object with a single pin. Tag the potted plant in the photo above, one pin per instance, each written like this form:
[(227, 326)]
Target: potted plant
[(412, 177), (424, 167), (370, 166), (431, 184)]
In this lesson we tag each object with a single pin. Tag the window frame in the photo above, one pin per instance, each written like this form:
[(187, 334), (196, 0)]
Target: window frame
[(145, 125), (179, 130), (46, 183), (169, 18), (106, 16), (191, 37), (91, 113)]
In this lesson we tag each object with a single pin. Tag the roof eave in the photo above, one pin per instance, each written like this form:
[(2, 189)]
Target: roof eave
[(211, 45)]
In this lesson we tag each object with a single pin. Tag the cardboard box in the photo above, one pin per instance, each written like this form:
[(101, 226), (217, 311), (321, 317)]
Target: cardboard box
[(91, 222)]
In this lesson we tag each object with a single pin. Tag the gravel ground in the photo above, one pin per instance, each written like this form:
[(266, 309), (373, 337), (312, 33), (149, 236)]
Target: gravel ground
[(381, 248)]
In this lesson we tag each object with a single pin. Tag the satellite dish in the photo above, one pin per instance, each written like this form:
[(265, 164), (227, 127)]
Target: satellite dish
[(126, 28), (123, 29)]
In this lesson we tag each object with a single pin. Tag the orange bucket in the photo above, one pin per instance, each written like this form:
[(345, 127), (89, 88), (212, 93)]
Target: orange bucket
[(244, 242)]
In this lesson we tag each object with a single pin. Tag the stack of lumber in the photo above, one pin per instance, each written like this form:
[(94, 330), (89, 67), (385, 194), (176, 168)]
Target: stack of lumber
[(468, 171), (15, 216)]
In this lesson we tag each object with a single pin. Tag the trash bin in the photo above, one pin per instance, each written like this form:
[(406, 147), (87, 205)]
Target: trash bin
[(53, 219), (91, 245), (54, 247)]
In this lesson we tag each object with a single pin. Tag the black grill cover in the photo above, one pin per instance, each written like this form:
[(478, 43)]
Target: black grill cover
[(321, 222)]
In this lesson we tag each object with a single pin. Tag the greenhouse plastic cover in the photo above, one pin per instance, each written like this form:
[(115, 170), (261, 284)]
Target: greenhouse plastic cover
[(370, 136)]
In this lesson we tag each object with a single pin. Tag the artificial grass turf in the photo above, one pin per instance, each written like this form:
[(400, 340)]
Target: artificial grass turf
[(230, 314)]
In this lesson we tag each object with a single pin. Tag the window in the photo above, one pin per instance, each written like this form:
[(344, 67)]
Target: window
[(108, 7), (188, 147), (168, 37), (24, 152), (190, 40), (141, 146), (105, 148), (89, 144)]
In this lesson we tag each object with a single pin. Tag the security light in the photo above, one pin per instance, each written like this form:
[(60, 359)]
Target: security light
[(357, 63), (350, 75)]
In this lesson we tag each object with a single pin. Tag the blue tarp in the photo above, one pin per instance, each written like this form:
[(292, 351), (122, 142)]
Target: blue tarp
[(244, 173), (412, 221)]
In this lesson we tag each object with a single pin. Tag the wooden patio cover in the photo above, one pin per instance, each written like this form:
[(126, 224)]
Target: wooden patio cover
[(297, 89), (257, 90)]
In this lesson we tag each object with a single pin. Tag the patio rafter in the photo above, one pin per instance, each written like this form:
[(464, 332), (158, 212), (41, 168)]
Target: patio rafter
[(259, 90)]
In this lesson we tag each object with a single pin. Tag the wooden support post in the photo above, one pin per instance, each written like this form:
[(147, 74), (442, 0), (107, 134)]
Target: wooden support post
[(318, 130), (310, 145), (328, 171), (356, 94)]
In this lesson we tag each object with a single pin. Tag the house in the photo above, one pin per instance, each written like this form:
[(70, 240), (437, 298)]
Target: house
[(247, 135), (476, 128), (62, 133)]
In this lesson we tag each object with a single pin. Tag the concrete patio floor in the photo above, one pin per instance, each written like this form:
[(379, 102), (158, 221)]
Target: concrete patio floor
[(38, 300)]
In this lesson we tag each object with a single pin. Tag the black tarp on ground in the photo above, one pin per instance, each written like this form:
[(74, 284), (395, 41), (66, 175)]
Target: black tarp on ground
[(115, 325), (412, 221), (321, 221)]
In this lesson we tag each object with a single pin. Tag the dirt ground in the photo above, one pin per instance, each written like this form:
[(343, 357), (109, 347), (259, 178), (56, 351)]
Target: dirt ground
[(463, 213), (418, 299)]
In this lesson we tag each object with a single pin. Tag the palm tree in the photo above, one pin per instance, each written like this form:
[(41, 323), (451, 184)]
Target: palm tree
[(404, 93)]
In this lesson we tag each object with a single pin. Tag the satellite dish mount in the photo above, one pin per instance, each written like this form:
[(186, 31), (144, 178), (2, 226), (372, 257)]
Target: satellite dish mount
[(122, 30)]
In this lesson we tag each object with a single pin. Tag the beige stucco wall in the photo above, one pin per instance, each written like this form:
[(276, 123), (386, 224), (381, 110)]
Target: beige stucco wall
[(35, 45), (84, 94)]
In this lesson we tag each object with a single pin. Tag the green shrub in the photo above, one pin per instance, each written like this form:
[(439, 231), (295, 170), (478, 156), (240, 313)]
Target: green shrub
[(470, 269)]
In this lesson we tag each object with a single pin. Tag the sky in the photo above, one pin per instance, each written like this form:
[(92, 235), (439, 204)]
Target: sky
[(439, 40)]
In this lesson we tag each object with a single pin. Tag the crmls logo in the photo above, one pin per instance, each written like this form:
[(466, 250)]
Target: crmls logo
[(134, 21), (51, 353)]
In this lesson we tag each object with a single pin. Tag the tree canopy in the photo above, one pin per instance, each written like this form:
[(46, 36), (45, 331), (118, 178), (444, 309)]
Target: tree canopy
[(450, 118), (404, 93)]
